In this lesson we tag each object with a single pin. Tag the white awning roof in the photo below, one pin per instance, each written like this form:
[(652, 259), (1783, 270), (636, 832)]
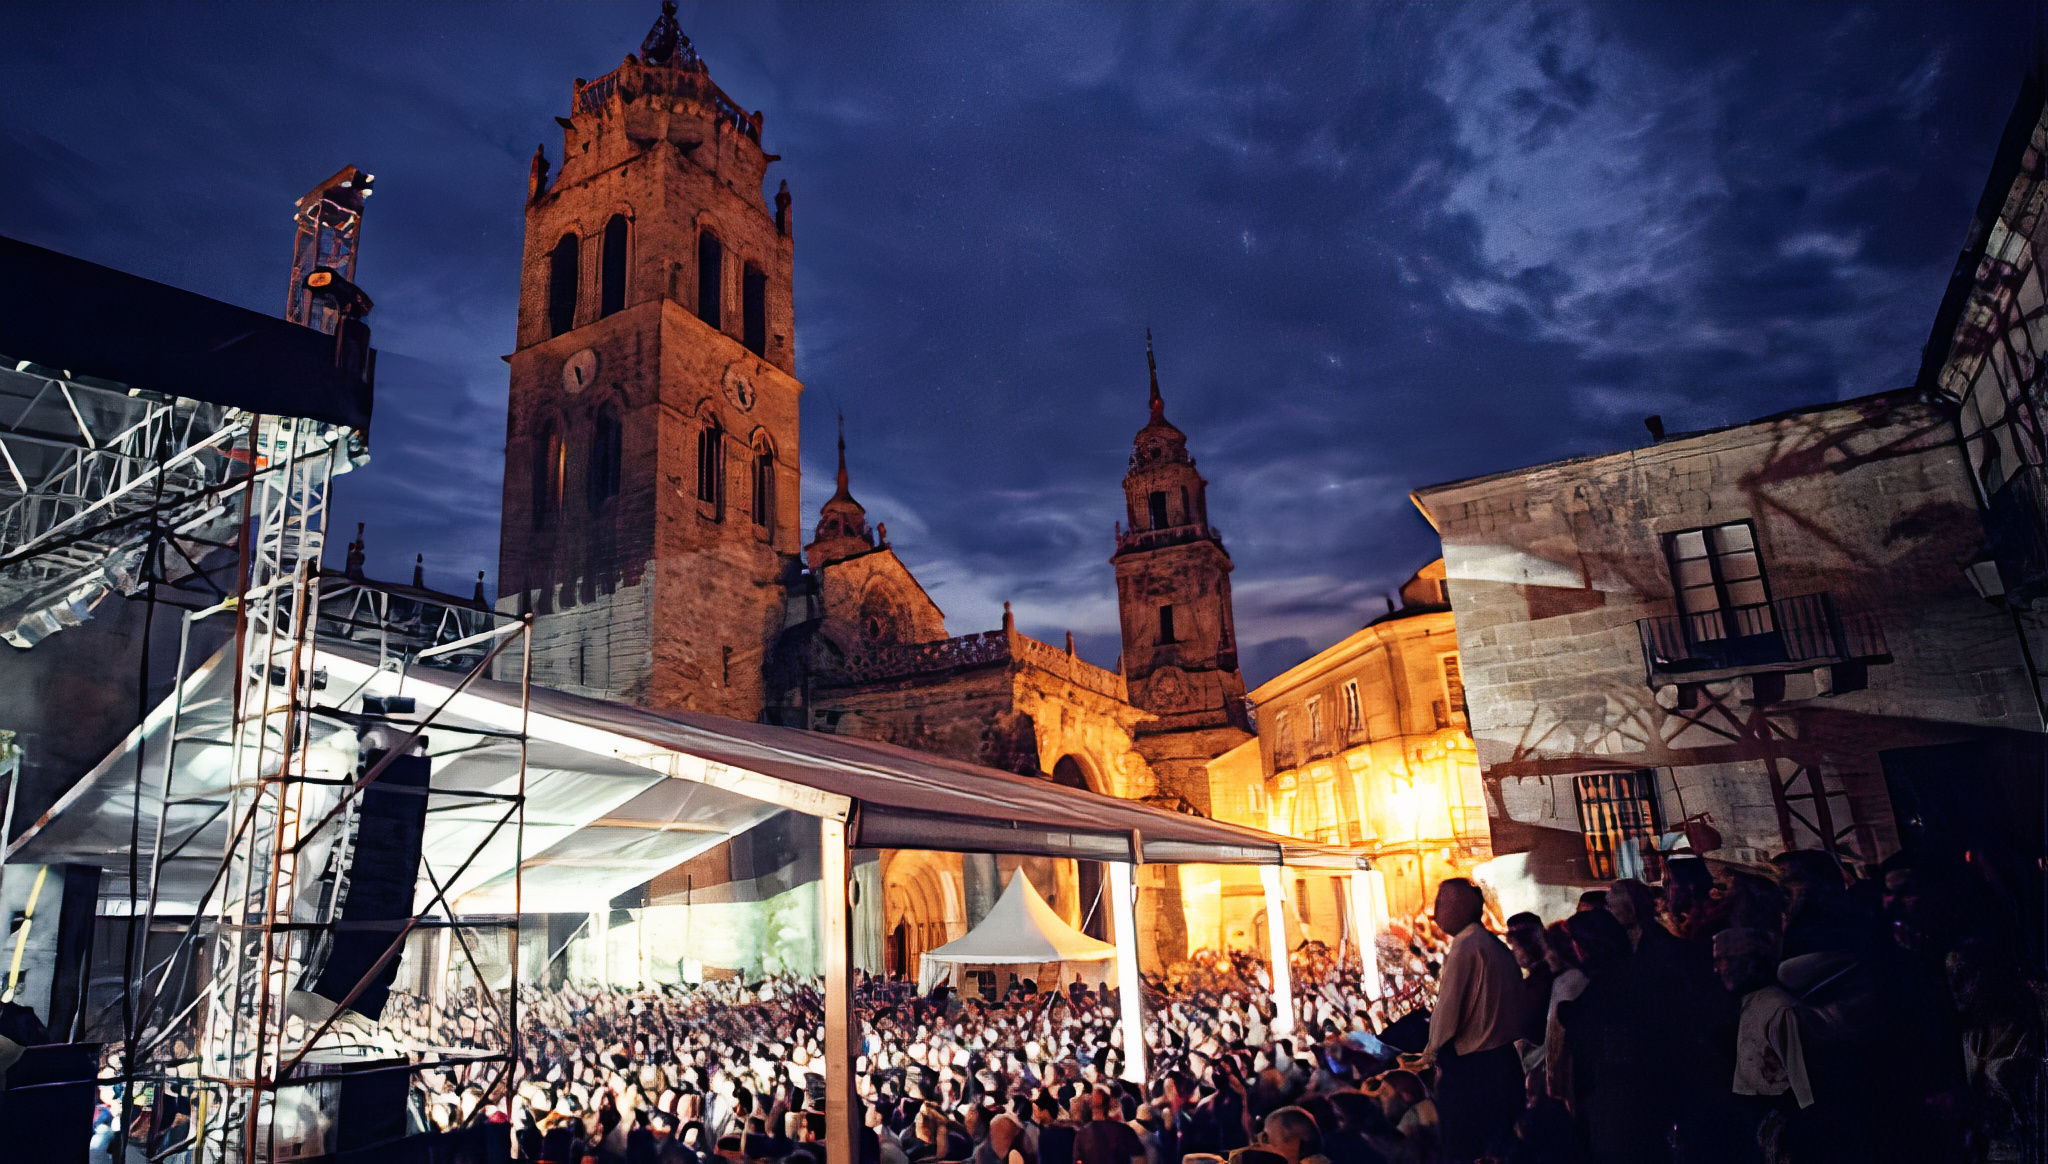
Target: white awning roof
[(1020, 929), (614, 795)]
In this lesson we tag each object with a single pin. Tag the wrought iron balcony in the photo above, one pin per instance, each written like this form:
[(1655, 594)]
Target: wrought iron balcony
[(1790, 634), (2017, 525)]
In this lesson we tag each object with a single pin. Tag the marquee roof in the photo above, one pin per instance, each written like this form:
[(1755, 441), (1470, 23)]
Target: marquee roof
[(615, 795)]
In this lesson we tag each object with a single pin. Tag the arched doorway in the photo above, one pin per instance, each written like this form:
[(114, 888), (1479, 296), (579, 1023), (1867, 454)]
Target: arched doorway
[(1068, 773)]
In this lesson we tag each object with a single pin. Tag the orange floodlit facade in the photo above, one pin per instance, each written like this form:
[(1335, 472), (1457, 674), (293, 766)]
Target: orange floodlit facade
[(1366, 744)]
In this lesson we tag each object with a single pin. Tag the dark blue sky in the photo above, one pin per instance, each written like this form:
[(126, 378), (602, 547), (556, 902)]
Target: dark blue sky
[(1381, 246)]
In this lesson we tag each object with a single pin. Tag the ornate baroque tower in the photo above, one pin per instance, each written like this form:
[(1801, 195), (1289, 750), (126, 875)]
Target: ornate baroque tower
[(651, 474), (1173, 590)]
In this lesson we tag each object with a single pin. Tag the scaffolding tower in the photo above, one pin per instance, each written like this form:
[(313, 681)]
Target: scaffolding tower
[(255, 1054)]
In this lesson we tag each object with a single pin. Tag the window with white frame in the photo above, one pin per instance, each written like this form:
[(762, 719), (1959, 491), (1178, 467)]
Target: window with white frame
[(1354, 708), (1454, 687)]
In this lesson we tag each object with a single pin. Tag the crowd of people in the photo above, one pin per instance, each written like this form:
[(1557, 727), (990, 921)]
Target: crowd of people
[(1809, 1015), (1805, 1016)]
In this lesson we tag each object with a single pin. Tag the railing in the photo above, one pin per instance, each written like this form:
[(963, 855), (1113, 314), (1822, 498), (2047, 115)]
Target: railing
[(1780, 635), (1073, 669), (901, 660), (683, 81), (1173, 535), (896, 660), (2017, 525), (591, 98)]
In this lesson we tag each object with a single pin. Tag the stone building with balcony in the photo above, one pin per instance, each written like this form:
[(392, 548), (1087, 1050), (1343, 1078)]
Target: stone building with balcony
[(1768, 626)]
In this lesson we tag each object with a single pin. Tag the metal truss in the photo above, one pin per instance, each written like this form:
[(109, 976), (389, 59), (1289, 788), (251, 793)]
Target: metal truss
[(265, 924), (330, 227), (103, 487)]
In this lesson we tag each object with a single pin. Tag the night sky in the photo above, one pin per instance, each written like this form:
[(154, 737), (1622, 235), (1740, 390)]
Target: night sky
[(1380, 246)]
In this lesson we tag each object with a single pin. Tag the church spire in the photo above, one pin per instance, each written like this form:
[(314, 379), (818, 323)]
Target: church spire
[(842, 523), (1152, 365), (842, 456)]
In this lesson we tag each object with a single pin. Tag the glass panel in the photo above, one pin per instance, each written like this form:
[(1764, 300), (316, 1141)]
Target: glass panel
[(1695, 573), (1746, 593), (1740, 565), (1733, 537), (1690, 544)]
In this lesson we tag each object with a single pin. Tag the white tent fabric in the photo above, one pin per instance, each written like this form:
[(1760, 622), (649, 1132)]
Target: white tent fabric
[(1022, 928)]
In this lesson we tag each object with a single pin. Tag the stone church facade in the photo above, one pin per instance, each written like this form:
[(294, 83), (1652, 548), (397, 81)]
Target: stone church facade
[(651, 521)]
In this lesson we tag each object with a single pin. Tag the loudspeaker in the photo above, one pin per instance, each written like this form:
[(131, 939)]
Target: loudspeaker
[(371, 1110), (48, 1104), (382, 873)]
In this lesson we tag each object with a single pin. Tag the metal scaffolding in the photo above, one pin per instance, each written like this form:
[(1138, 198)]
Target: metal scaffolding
[(257, 1048), (93, 477), (330, 228), (264, 1045)]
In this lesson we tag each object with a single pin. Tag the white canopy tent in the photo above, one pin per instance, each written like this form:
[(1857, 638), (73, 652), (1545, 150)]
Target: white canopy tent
[(1021, 931)]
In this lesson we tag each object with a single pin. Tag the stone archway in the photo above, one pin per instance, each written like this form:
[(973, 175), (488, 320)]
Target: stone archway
[(1072, 772), (921, 905)]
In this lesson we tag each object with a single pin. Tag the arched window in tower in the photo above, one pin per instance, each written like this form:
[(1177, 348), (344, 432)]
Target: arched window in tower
[(1166, 625), (711, 469), (754, 309), (1157, 504), (606, 453), (1187, 512), (764, 488), (611, 291), (550, 462), (564, 269), (710, 278)]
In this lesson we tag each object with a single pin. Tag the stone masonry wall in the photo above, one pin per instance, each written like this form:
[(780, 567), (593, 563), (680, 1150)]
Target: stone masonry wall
[(1551, 567)]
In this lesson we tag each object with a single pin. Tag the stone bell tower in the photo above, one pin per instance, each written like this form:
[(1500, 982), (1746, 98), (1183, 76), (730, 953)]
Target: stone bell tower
[(1173, 591), (651, 472)]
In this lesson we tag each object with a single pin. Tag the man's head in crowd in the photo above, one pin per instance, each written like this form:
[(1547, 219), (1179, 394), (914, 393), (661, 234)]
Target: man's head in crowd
[(1292, 1133), (1688, 884), (1598, 939), (1633, 905), (1812, 880), (1525, 939), (1745, 959), (1458, 905)]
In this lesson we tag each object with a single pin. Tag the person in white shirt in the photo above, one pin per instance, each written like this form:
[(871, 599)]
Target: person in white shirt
[(1479, 1086)]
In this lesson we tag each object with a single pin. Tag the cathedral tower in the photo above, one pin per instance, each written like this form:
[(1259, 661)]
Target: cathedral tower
[(1173, 591), (651, 475)]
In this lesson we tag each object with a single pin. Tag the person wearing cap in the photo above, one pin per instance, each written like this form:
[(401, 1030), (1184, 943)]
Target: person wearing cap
[(1472, 1031)]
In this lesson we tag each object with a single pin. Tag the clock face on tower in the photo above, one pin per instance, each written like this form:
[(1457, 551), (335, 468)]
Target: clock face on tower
[(739, 389), (578, 371)]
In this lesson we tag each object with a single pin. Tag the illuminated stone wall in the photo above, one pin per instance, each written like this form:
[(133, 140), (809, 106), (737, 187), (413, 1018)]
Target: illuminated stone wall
[(1365, 744), (1863, 517)]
